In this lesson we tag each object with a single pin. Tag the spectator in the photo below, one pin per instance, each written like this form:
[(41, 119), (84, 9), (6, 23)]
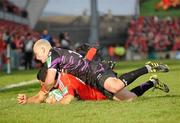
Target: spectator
[(2, 47), (28, 49), (176, 45), (15, 35), (64, 40), (47, 36)]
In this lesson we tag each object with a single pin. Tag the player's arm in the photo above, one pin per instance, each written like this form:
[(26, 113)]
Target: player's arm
[(66, 100), (49, 81), (38, 98)]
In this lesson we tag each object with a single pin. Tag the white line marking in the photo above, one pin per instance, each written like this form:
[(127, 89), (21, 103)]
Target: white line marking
[(19, 84)]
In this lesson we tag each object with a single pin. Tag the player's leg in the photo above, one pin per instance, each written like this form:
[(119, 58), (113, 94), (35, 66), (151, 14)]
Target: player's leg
[(150, 67), (124, 95), (153, 82), (114, 85), (127, 95), (142, 88)]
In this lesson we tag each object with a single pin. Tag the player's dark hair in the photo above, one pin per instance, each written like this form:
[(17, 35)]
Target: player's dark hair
[(42, 74)]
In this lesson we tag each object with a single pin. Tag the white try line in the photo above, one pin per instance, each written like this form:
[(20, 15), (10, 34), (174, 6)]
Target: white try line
[(23, 83)]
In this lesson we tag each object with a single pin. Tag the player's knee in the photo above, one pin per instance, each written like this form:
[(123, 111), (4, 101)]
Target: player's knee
[(113, 85), (115, 88)]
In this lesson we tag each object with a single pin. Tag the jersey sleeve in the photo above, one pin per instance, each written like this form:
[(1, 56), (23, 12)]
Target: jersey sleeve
[(71, 90)]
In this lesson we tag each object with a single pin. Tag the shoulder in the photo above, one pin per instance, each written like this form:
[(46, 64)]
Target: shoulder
[(55, 56), (58, 51), (54, 53)]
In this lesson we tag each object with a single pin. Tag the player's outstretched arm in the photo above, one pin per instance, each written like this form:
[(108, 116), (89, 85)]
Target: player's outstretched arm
[(38, 98)]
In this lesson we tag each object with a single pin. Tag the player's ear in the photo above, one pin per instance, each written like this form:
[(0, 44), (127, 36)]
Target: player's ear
[(43, 49)]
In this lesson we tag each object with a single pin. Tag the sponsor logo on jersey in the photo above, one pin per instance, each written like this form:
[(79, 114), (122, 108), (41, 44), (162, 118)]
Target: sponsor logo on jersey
[(48, 61)]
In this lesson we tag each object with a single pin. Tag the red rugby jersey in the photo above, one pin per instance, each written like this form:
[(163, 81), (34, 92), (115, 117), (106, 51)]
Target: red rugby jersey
[(74, 85)]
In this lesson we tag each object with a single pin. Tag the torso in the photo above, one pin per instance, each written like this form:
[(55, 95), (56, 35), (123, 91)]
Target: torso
[(75, 86)]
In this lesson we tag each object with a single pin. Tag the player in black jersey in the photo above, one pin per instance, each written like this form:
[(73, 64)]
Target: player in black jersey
[(94, 52), (95, 74)]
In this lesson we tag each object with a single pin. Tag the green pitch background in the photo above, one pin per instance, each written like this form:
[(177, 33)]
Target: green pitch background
[(152, 107)]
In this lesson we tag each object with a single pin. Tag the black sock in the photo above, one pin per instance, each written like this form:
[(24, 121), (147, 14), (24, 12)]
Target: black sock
[(128, 78), (141, 89)]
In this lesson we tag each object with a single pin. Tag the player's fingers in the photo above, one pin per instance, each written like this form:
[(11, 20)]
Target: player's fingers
[(23, 102), (20, 101), (50, 100), (53, 99), (20, 97)]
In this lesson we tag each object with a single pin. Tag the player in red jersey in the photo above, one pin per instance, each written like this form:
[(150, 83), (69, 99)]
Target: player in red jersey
[(66, 88), (68, 84)]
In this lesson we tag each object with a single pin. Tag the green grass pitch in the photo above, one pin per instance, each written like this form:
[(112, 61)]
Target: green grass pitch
[(152, 107)]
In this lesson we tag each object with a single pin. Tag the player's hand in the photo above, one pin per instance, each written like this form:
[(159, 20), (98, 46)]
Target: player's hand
[(51, 100), (22, 99)]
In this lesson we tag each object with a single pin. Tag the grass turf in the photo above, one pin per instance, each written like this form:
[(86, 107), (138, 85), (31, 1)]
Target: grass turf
[(152, 107), (16, 77)]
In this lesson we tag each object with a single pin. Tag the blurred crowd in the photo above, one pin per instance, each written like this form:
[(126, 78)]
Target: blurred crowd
[(153, 34), (8, 6), (146, 35), (20, 39)]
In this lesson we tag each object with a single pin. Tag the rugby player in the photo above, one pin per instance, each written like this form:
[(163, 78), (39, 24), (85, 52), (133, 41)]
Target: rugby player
[(94, 74)]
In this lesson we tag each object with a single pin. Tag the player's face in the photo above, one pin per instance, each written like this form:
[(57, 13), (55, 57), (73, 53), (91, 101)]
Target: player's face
[(40, 55)]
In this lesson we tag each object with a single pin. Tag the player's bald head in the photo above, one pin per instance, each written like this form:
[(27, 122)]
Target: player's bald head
[(41, 49), (42, 43)]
